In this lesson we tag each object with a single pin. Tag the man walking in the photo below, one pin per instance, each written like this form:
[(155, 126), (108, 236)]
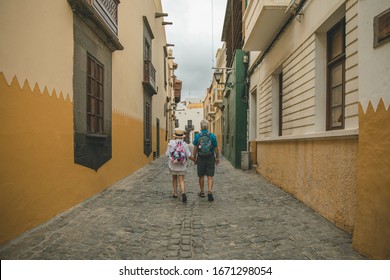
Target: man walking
[(206, 155)]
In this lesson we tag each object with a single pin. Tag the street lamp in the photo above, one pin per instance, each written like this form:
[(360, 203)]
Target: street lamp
[(218, 75)]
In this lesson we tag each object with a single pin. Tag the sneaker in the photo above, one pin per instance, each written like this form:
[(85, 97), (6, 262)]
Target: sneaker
[(184, 197), (210, 197)]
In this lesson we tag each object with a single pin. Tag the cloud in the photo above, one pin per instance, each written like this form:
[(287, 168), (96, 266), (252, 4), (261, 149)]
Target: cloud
[(196, 33)]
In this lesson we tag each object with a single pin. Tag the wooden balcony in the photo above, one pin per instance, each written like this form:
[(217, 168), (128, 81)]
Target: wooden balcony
[(101, 15), (211, 111), (217, 97), (177, 90), (149, 81), (108, 10)]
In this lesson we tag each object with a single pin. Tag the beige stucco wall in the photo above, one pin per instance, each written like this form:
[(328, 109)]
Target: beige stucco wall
[(298, 168), (37, 43), (128, 64), (315, 14), (38, 176)]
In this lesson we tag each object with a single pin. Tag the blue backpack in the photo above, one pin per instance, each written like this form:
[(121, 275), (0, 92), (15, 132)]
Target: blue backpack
[(205, 146)]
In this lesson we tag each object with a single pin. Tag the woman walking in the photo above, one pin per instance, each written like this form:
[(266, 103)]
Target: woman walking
[(178, 154)]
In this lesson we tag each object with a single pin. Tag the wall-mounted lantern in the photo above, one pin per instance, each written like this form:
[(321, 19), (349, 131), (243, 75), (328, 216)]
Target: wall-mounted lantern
[(218, 73)]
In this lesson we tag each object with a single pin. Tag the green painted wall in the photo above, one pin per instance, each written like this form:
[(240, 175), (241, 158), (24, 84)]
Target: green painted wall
[(235, 112)]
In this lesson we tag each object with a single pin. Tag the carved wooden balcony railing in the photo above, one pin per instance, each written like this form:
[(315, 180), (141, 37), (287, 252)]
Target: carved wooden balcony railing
[(108, 9), (177, 89), (101, 15), (149, 81)]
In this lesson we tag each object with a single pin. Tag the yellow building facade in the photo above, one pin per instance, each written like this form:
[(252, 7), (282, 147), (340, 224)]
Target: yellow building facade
[(372, 225), (83, 95)]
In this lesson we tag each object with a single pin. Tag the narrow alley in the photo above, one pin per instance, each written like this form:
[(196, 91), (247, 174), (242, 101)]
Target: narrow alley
[(137, 218)]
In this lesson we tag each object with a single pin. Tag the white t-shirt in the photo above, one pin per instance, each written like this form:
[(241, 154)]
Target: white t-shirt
[(177, 166)]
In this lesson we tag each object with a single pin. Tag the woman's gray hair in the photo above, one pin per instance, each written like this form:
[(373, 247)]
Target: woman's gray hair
[(204, 124)]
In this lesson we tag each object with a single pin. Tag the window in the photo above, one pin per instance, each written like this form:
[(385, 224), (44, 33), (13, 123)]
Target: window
[(227, 125), (382, 28), (253, 114), (149, 84), (92, 97), (147, 51), (280, 132), (95, 96), (148, 125), (336, 77)]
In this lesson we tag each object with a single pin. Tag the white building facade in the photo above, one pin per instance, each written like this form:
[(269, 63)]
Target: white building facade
[(314, 97), (189, 113)]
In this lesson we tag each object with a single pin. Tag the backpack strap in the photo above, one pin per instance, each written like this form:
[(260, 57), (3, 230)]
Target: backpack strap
[(204, 134)]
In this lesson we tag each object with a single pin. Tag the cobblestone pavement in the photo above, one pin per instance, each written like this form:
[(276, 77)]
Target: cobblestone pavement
[(136, 218)]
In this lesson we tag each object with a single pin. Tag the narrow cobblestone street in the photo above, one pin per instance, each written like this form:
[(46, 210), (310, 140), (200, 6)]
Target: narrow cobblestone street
[(137, 219)]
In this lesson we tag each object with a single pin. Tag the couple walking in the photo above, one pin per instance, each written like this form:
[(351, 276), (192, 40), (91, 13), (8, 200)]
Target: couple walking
[(205, 156)]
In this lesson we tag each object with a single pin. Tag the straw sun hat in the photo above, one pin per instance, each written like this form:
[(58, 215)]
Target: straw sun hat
[(179, 134)]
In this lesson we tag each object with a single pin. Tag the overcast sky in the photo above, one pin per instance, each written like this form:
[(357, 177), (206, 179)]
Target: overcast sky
[(196, 32)]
